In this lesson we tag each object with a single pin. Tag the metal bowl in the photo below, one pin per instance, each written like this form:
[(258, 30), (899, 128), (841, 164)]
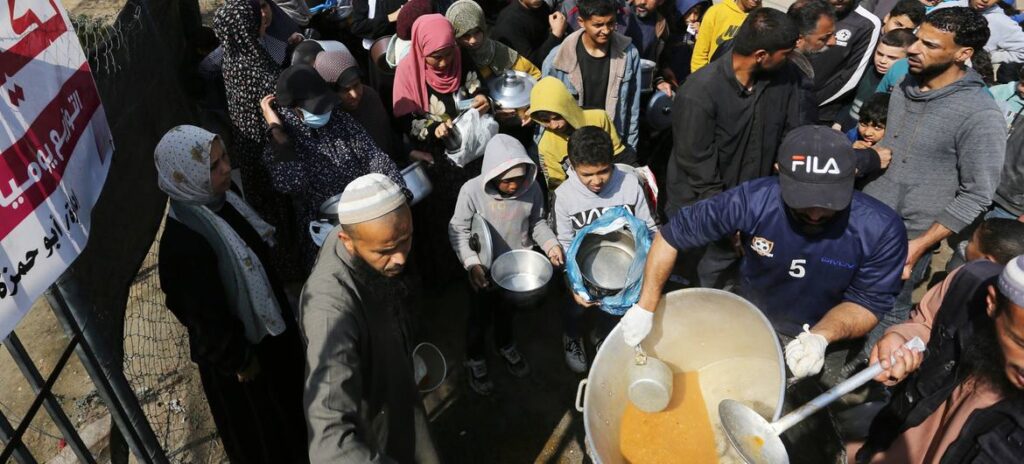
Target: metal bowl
[(511, 90), (604, 260), (523, 275), (416, 180)]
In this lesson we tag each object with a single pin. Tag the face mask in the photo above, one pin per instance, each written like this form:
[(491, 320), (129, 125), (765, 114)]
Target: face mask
[(315, 121)]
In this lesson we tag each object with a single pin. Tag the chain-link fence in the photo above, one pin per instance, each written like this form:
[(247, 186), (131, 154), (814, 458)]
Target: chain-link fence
[(139, 51), (156, 362)]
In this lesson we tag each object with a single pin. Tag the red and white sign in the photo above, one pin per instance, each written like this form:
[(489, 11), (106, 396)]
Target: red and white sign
[(55, 151)]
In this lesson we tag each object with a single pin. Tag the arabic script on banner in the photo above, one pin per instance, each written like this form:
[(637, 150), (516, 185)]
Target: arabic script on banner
[(56, 150)]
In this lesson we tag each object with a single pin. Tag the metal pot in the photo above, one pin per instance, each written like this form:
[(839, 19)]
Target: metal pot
[(326, 220), (416, 180), (603, 261), (511, 90), (522, 275), (722, 336), (650, 383), (429, 367), (647, 74), (378, 54), (658, 112)]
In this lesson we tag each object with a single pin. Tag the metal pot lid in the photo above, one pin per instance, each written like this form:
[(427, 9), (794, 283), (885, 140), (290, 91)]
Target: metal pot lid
[(659, 111), (512, 89), (480, 240)]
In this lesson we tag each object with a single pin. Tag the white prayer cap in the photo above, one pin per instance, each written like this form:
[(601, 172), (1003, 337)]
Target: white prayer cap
[(1011, 281), (369, 197)]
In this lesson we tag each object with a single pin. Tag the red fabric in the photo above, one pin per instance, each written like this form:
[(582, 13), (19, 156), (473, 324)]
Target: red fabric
[(430, 33), (411, 11)]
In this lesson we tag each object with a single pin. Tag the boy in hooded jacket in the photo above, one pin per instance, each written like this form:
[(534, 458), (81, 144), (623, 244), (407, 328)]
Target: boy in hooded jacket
[(506, 196), (555, 110)]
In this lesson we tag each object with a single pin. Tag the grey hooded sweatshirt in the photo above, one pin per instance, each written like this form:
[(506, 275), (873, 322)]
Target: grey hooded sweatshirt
[(516, 221), (947, 147), (576, 206)]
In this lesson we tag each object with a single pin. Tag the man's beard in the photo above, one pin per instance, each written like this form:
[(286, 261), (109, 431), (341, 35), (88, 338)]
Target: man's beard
[(820, 50), (804, 227), (931, 71), (380, 284), (983, 358)]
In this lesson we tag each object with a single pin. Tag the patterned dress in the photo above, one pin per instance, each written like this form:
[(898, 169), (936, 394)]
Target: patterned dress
[(250, 73)]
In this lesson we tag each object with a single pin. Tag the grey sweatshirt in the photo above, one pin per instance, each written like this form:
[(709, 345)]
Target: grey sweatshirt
[(576, 206), (947, 150), (516, 221)]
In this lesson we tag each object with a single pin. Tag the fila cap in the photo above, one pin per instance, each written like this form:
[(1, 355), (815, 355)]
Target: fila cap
[(816, 168)]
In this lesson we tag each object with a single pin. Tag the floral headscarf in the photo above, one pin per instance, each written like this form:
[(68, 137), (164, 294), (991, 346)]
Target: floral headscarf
[(183, 171)]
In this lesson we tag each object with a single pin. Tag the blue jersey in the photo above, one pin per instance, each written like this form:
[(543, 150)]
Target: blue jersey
[(796, 278)]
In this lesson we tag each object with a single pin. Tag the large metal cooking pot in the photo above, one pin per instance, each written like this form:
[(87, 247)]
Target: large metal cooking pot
[(523, 276), (603, 261), (722, 336), (416, 180)]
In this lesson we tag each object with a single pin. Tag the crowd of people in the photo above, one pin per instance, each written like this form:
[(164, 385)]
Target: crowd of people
[(815, 161)]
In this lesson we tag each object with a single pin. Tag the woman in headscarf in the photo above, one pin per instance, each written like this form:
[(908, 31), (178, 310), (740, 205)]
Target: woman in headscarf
[(316, 148), (242, 334), (342, 74), (490, 56), (249, 73), (433, 85)]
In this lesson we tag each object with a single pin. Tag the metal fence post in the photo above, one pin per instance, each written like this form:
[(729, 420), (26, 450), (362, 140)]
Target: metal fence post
[(39, 387), (20, 453), (112, 387)]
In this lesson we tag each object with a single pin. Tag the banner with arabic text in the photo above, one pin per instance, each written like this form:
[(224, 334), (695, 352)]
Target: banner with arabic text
[(55, 147)]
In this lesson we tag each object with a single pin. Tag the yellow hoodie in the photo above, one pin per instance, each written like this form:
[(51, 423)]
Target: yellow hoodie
[(551, 95), (720, 23)]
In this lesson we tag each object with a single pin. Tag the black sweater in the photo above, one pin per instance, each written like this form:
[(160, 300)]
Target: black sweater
[(526, 31)]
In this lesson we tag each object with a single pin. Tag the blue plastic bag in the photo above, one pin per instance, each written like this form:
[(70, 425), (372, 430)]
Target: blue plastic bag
[(613, 220)]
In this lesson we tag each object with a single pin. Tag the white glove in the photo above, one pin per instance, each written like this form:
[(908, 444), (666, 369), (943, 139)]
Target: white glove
[(636, 324), (806, 354)]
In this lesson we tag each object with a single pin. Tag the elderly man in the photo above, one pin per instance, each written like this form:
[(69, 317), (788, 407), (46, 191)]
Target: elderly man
[(361, 401), (817, 254), (964, 401)]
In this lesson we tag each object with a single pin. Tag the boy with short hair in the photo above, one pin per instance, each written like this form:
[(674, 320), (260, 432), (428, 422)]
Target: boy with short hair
[(907, 14), (600, 67), (891, 48), (505, 196), (594, 185), (871, 126)]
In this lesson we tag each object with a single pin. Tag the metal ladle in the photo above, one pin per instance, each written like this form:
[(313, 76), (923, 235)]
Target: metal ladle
[(759, 442)]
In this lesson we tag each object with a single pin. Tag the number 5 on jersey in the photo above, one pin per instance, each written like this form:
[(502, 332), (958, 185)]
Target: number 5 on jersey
[(796, 268)]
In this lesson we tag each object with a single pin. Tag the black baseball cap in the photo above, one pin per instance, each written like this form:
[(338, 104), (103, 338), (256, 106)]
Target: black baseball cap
[(816, 168), (301, 86)]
